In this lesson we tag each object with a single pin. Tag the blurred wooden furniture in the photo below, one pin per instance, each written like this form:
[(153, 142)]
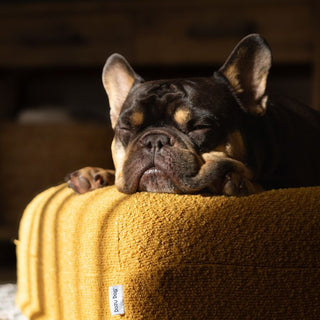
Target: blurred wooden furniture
[(35, 157), (315, 8), (162, 32), (57, 34)]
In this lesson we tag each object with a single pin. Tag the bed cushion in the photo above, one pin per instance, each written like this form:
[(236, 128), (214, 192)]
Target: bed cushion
[(175, 256)]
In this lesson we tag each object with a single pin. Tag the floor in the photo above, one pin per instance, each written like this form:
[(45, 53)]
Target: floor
[(7, 261), (8, 274), (8, 308)]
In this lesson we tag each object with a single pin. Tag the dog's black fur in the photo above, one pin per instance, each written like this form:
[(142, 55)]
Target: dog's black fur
[(222, 135)]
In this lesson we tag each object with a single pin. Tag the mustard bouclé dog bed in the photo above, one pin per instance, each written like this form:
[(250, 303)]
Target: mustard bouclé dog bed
[(168, 256)]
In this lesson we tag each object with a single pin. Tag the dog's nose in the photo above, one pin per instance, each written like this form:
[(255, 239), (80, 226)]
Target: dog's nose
[(156, 141)]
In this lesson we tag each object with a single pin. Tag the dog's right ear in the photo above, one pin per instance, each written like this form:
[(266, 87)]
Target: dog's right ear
[(118, 77)]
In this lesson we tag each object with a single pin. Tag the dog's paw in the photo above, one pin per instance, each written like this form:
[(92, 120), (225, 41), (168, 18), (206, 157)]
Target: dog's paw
[(239, 184), (226, 176), (236, 184), (90, 178)]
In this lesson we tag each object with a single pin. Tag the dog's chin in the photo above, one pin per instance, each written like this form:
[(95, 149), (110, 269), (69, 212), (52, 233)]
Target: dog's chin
[(155, 180)]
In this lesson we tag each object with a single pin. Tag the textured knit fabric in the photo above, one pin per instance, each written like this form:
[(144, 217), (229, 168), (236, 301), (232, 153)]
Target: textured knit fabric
[(177, 256)]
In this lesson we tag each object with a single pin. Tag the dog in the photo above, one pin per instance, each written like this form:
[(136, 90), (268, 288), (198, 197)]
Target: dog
[(221, 135)]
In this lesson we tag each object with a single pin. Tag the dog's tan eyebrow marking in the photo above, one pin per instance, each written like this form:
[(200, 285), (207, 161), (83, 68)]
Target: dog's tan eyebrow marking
[(182, 115), (136, 118)]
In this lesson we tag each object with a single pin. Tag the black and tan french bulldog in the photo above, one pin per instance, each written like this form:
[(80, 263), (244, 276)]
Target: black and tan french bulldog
[(218, 135)]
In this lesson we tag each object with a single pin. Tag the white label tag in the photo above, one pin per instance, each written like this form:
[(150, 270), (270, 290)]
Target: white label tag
[(116, 300)]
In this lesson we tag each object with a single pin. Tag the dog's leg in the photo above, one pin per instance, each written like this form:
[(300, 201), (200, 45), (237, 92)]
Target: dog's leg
[(219, 175), (90, 178)]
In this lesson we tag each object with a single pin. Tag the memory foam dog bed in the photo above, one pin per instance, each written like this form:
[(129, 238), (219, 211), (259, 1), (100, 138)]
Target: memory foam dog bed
[(174, 256)]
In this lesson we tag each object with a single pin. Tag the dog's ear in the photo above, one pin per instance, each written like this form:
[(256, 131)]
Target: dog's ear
[(118, 77), (247, 70)]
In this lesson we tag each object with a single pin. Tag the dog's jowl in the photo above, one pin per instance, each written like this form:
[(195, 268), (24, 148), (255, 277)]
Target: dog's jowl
[(220, 135)]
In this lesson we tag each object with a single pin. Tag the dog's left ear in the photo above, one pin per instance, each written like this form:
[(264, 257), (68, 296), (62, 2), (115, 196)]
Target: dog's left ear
[(118, 78), (247, 70)]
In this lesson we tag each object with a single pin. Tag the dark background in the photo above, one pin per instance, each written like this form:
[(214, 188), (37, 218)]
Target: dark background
[(54, 111)]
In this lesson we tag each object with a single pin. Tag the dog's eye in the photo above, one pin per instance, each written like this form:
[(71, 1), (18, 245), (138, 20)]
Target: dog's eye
[(200, 129), (199, 133), (125, 128), (124, 134)]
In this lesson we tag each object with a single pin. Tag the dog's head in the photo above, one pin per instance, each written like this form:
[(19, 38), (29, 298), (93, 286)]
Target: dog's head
[(164, 128)]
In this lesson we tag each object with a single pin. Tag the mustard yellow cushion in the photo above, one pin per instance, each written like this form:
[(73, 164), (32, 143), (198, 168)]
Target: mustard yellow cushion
[(176, 256)]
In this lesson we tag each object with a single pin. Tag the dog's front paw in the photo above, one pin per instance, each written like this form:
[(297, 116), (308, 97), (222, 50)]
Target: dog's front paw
[(238, 184), (90, 178)]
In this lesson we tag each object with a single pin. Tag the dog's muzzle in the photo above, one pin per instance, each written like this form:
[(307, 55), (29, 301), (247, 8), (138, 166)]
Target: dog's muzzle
[(157, 160)]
